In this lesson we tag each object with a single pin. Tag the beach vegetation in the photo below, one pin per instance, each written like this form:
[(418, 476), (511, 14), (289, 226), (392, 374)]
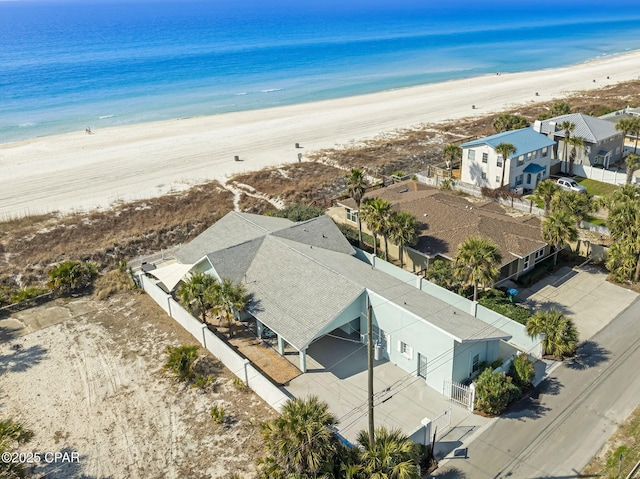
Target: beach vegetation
[(545, 191), (623, 222), (228, 299), (180, 362), (522, 371), (217, 414), (28, 292), (558, 229), (196, 293), (13, 435), (560, 333), (403, 231), (557, 109), (505, 150), (297, 212), (376, 213), (494, 391), (477, 262), (357, 185), (72, 276), (630, 127), (114, 281), (508, 122), (392, 454)]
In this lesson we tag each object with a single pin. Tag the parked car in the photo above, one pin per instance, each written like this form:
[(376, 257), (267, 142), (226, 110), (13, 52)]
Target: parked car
[(570, 184)]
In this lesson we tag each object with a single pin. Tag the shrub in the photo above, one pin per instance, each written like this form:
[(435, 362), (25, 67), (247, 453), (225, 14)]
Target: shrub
[(496, 300), (203, 381), (71, 276), (25, 293), (113, 282), (298, 212), (522, 371), (217, 414), (180, 362), (239, 384), (494, 391)]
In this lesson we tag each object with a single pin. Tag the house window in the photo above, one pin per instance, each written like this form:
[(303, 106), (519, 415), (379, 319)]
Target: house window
[(405, 350), (526, 262), (528, 178), (484, 175), (475, 363), (472, 154), (519, 180), (499, 162), (485, 157), (521, 160), (352, 215), (539, 254), (545, 150), (497, 179)]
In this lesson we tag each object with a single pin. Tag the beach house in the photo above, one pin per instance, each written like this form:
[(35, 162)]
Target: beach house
[(307, 282), (482, 164), (447, 220), (603, 145)]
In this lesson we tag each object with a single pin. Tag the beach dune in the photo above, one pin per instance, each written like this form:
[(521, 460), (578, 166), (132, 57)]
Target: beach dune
[(79, 171)]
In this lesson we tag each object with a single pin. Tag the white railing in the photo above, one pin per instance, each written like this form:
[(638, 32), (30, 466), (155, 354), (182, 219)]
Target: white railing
[(460, 394), (441, 423)]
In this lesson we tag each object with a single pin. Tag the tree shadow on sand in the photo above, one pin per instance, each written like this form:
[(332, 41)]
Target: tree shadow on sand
[(19, 359), (588, 355), (449, 473), (68, 464), (530, 406)]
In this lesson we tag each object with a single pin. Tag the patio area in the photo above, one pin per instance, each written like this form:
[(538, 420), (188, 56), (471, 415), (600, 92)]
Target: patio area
[(337, 374)]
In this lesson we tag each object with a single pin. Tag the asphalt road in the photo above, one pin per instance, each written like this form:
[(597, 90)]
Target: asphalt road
[(555, 431)]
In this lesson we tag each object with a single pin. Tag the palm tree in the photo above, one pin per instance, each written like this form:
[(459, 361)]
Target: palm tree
[(299, 442), (567, 127), (632, 161), (356, 184), (624, 224), (558, 229), (195, 293), (376, 212), (630, 127), (403, 230), (228, 299), (70, 276), (452, 154), (505, 149), (578, 205), (477, 262), (575, 142), (545, 192), (561, 335), (508, 122), (392, 455)]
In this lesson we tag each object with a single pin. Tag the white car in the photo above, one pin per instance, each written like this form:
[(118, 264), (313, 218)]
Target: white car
[(570, 185)]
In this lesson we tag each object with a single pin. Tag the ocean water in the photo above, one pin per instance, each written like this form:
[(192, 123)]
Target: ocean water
[(65, 66)]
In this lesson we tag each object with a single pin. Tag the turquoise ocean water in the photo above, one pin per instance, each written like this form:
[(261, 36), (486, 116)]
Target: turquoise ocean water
[(65, 66)]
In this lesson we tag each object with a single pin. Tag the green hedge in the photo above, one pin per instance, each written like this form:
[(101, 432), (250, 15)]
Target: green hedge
[(497, 301)]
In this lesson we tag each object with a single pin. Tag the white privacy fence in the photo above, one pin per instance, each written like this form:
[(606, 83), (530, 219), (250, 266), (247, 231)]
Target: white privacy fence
[(237, 364)]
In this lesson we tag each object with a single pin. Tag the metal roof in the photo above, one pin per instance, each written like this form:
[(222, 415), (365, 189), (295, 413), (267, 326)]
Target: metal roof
[(525, 140), (533, 168), (588, 128)]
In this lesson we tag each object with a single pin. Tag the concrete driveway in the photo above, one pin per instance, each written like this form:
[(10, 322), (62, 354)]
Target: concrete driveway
[(337, 374), (583, 294)]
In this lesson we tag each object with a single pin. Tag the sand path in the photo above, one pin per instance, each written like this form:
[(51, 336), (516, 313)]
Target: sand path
[(77, 171)]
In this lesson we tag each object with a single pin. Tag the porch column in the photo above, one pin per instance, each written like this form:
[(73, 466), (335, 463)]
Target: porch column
[(259, 328), (474, 309), (280, 345), (419, 282), (303, 360)]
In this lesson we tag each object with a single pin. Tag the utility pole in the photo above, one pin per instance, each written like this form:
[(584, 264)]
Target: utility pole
[(370, 375)]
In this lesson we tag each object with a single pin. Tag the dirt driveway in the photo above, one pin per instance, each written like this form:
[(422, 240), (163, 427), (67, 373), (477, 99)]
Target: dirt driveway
[(93, 384)]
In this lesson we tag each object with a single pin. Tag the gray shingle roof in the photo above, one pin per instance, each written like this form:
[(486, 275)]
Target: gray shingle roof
[(589, 128), (303, 275), (232, 229)]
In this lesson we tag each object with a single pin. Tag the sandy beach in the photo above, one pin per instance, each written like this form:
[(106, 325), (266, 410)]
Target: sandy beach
[(79, 171)]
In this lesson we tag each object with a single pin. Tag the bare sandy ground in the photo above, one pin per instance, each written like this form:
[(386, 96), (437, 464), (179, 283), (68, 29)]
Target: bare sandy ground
[(77, 171), (93, 384)]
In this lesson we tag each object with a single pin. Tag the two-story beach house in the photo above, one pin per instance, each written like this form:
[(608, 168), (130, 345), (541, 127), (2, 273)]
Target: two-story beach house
[(603, 144), (482, 165)]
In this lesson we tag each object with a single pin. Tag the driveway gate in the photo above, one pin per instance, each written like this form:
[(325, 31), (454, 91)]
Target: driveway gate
[(460, 394)]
